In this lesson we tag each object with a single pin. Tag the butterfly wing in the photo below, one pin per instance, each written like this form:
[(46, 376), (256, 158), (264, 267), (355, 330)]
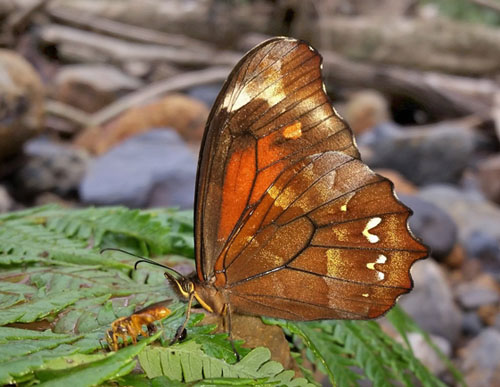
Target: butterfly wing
[(289, 221), (271, 112)]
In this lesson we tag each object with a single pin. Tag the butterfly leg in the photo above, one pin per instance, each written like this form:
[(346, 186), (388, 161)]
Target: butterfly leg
[(182, 329), (226, 312)]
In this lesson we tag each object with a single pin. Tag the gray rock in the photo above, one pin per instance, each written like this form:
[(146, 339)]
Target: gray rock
[(152, 169), (51, 167), (489, 177), (21, 103), (475, 294), (478, 222), (92, 86), (433, 225), (431, 303), (496, 322), (426, 354), (471, 324), (480, 359), (6, 202), (423, 156), (483, 245), (205, 93)]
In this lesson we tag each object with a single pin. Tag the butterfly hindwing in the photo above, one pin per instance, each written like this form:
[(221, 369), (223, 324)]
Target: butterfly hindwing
[(322, 245)]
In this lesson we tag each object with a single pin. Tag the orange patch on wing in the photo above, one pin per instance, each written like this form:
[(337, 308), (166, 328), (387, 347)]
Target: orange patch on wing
[(265, 179), (268, 150), (293, 131), (238, 183)]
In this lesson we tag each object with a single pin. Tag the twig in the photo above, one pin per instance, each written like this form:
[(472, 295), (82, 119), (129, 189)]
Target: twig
[(442, 96), (67, 112), (83, 46), (141, 96), (122, 30), (18, 21)]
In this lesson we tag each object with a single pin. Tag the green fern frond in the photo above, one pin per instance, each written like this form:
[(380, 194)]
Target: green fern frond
[(340, 347), (52, 274), (187, 362)]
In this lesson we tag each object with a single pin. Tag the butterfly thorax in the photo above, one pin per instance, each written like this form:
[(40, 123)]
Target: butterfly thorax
[(209, 297)]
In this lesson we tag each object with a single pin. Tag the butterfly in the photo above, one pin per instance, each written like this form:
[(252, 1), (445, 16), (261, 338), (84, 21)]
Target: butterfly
[(289, 222)]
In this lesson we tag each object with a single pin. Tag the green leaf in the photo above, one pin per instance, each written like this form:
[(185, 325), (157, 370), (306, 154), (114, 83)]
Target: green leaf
[(328, 352), (404, 324), (187, 362), (96, 371)]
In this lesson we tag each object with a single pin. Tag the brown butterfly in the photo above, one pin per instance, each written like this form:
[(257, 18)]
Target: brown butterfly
[(289, 222)]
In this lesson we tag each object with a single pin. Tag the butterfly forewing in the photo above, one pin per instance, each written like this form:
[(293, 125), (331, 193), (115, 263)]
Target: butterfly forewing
[(289, 221), (271, 112)]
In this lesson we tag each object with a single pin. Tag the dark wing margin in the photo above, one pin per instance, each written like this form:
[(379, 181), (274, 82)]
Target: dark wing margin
[(272, 112)]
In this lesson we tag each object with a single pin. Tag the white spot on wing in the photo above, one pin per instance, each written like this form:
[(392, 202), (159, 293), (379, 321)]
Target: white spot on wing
[(373, 222), (381, 259)]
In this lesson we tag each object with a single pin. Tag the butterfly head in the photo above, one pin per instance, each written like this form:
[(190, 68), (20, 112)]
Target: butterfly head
[(207, 296), (183, 285)]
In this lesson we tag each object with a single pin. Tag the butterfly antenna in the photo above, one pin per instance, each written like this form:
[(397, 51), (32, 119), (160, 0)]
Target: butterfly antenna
[(142, 259)]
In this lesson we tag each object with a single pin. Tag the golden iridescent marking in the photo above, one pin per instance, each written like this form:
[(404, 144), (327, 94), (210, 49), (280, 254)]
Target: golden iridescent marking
[(293, 131)]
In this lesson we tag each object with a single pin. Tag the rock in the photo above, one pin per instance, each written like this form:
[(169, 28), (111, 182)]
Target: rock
[(21, 103), (6, 202), (379, 133), (489, 178), (480, 359), (205, 93), (456, 257), (478, 222), (496, 322), (481, 244), (254, 333), (433, 225), (184, 114), (471, 268), (51, 166), (6, 7), (471, 324), (426, 354), (90, 87), (424, 156), (431, 303), (487, 313), (401, 184), (482, 291), (365, 110), (46, 198), (134, 173)]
